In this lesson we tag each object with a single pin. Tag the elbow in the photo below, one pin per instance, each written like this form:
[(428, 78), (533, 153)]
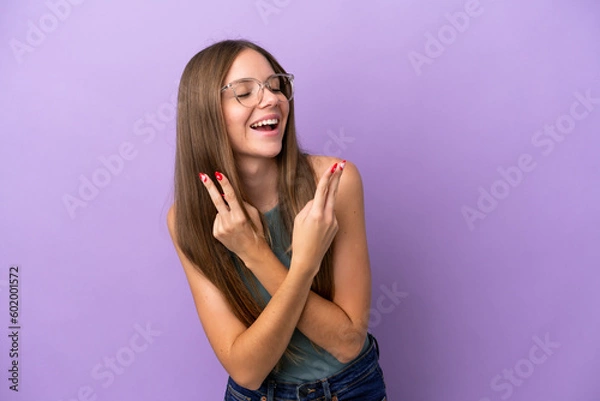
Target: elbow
[(248, 377), (248, 381), (349, 355), (246, 369), (351, 350)]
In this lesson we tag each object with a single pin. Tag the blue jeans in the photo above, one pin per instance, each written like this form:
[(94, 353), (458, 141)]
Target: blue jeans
[(361, 380)]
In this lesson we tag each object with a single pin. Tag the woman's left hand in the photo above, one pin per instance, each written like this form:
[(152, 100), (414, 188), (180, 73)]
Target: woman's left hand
[(231, 227)]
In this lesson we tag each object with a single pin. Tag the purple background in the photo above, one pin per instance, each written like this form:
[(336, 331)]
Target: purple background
[(472, 300)]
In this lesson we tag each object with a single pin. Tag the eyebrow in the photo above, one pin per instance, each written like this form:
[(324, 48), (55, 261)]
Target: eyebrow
[(258, 79)]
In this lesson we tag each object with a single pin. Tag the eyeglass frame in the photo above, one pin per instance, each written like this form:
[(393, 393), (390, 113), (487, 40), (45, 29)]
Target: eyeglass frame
[(261, 87)]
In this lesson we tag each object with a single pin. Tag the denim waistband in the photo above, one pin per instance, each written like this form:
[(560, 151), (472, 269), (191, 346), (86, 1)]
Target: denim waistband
[(355, 370)]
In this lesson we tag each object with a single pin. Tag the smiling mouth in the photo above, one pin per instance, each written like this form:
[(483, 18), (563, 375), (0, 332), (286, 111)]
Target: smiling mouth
[(266, 125)]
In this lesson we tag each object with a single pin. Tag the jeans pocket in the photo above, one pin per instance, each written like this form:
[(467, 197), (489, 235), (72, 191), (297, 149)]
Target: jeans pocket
[(375, 343)]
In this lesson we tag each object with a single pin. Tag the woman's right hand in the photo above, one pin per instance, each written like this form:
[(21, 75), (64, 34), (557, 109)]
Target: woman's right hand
[(316, 225)]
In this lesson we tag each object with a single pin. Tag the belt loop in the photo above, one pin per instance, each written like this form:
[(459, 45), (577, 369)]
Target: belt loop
[(375, 344), (326, 390), (271, 390)]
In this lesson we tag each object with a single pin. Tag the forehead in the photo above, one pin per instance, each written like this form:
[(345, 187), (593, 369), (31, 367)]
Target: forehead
[(249, 64)]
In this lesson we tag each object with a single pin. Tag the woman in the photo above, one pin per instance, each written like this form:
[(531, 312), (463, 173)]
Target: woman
[(274, 246)]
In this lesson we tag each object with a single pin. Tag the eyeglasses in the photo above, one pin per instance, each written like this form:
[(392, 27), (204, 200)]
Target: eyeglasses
[(249, 91)]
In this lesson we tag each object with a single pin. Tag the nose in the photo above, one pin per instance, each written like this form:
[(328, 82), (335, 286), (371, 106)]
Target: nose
[(268, 98)]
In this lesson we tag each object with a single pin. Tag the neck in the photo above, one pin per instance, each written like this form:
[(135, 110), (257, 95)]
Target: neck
[(259, 179)]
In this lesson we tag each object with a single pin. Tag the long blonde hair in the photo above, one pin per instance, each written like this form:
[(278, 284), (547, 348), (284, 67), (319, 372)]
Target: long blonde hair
[(203, 146)]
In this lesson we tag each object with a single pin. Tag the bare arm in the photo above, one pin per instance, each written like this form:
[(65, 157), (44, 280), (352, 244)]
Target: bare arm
[(250, 353), (338, 326)]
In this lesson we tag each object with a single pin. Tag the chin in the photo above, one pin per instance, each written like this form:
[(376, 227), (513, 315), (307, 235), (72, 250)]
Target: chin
[(273, 154), (262, 153)]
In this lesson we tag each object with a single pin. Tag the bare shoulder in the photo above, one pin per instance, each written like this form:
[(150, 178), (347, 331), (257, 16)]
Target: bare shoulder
[(320, 162), (171, 221), (350, 182)]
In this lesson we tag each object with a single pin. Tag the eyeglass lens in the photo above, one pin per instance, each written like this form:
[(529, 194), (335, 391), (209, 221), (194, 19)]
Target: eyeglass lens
[(248, 92)]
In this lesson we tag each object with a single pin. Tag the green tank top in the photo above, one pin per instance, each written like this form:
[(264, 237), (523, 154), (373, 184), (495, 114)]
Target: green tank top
[(316, 363)]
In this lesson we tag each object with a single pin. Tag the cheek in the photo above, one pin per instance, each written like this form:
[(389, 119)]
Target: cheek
[(286, 112), (235, 119)]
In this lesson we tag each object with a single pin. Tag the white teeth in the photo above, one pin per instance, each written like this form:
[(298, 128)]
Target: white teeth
[(272, 121)]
